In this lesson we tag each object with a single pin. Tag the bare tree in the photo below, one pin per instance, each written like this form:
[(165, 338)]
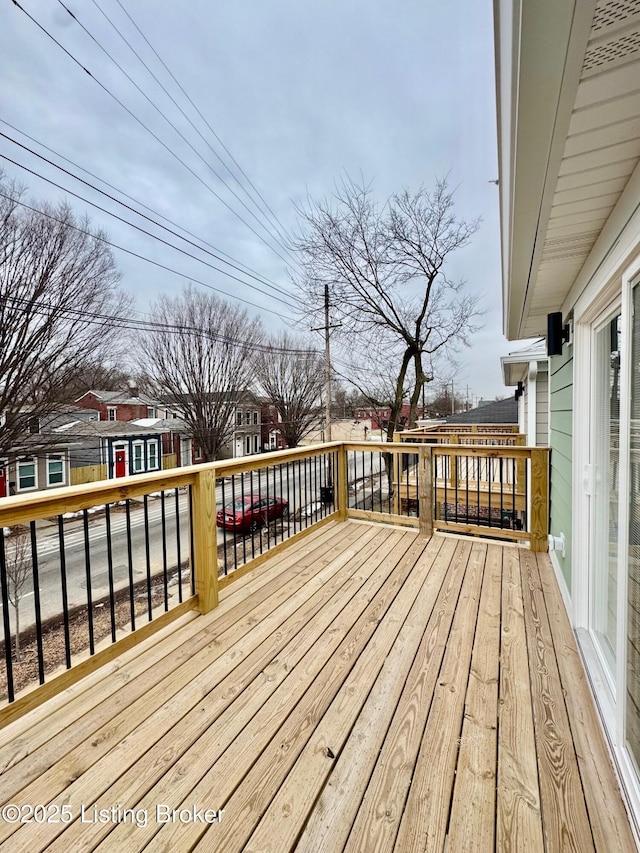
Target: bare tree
[(386, 269), (18, 566), (201, 359), (291, 375), (60, 304)]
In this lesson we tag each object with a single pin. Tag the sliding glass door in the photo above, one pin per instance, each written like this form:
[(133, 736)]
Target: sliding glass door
[(606, 468), (632, 710)]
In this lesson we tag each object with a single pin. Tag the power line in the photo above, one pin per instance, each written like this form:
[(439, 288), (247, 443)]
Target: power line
[(148, 129), (108, 321), (259, 276), (275, 288), (148, 233), (139, 256), (176, 81), (169, 122)]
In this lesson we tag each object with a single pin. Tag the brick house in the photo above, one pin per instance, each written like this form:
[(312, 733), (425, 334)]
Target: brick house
[(380, 415), (271, 427), (123, 405)]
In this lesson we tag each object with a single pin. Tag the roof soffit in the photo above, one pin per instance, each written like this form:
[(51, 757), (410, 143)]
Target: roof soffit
[(593, 154), (553, 39)]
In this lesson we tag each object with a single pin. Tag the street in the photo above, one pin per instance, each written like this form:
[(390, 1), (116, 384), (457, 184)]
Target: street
[(300, 486)]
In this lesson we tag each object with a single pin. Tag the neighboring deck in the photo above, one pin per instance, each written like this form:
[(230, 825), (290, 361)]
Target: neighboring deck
[(363, 690)]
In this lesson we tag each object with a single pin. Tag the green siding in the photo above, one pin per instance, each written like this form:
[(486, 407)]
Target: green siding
[(561, 378)]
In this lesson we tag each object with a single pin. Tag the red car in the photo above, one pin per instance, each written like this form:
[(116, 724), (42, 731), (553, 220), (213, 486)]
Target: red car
[(251, 512)]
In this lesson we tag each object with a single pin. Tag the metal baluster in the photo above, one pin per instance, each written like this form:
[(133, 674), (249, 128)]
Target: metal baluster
[(233, 504), (165, 568), (244, 538), (112, 602), (191, 570), (224, 532), (178, 545), (446, 478), (147, 553), (260, 528), (87, 566), (65, 596), (467, 485), (132, 604), (293, 483), (4, 584), (281, 498), (455, 480), (268, 507), (513, 493)]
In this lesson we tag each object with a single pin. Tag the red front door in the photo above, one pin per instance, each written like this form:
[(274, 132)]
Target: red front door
[(120, 463), (3, 481)]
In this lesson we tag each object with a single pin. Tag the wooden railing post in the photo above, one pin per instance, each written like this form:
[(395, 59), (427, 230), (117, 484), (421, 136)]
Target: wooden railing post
[(539, 526), (396, 462), (453, 464), (520, 441), (342, 489), (205, 540), (425, 489)]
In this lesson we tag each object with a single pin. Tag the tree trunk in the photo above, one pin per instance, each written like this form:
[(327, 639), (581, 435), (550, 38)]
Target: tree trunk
[(415, 397), (17, 632), (396, 408)]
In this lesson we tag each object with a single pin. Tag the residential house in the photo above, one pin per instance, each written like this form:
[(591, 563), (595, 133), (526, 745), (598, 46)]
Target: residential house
[(34, 465), (247, 429), (113, 449), (177, 445), (380, 415), (528, 370), (271, 427), (569, 181), (493, 412), (42, 459), (124, 406)]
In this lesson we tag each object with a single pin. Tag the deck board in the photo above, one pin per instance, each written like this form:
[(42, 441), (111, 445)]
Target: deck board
[(365, 689)]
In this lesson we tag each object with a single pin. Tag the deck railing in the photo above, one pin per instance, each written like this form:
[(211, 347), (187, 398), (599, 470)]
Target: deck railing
[(86, 567)]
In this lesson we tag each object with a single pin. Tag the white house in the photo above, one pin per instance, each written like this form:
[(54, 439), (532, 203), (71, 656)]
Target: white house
[(528, 370), (568, 86)]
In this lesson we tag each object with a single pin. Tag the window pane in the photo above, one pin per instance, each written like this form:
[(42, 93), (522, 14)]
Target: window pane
[(27, 475), (56, 471)]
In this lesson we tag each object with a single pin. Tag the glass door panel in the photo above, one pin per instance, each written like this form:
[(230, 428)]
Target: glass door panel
[(606, 470), (632, 716)]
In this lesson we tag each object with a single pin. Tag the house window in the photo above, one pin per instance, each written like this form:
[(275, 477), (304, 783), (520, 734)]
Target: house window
[(256, 439), (239, 418), (248, 445), (247, 419), (255, 418), (151, 412), (55, 470), (111, 413), (138, 457), (152, 455), (27, 474), (34, 426)]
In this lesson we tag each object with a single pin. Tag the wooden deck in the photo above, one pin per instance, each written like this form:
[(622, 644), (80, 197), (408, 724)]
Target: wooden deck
[(364, 690)]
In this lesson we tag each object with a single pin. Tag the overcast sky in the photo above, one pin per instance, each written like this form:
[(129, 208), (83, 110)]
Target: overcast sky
[(301, 92)]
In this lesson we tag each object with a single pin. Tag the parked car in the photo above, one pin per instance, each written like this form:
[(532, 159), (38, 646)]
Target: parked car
[(250, 512)]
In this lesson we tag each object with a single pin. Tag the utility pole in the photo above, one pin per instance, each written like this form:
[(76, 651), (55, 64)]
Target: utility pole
[(453, 400), (327, 363)]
